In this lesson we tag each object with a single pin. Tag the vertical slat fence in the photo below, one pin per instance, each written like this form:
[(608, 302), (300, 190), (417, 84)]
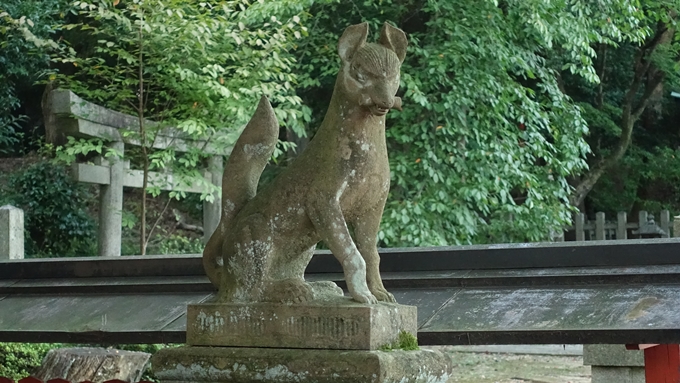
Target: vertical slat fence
[(601, 229)]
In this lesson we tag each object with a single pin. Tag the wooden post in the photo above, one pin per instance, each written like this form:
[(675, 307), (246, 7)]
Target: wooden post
[(11, 232), (111, 206), (212, 211), (662, 362), (599, 226), (578, 226), (621, 221), (664, 222)]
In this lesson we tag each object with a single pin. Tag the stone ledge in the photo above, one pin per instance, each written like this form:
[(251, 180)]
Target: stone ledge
[(269, 365), (337, 324), (612, 355)]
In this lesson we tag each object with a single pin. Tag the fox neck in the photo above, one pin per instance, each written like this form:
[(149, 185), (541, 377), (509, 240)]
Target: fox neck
[(346, 116)]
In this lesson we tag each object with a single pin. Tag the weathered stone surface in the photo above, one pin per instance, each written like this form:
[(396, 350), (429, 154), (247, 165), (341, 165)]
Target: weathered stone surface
[(92, 364), (612, 355), (335, 191), (73, 116), (612, 363), (601, 374), (213, 210), (317, 324), (262, 365), (11, 232), (111, 206)]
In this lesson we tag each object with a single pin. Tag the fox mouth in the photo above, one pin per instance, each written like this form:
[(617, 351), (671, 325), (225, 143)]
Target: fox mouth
[(378, 111)]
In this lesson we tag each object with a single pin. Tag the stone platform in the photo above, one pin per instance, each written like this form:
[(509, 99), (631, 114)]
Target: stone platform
[(274, 365), (337, 324)]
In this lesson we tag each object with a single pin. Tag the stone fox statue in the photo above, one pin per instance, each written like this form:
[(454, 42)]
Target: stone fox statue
[(264, 241)]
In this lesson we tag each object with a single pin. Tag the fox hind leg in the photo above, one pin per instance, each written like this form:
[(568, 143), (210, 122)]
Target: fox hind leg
[(246, 270)]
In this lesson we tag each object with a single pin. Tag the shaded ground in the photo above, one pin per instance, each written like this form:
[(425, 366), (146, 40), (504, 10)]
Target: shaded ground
[(518, 368)]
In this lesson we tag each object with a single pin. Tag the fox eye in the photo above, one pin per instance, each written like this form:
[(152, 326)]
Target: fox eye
[(357, 74)]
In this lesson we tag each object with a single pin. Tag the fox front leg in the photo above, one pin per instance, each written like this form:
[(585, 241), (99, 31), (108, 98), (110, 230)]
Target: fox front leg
[(366, 229), (330, 225)]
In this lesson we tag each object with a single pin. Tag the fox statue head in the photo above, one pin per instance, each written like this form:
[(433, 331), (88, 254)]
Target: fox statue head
[(369, 75)]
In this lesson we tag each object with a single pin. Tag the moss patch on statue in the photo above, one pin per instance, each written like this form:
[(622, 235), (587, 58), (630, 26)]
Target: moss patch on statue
[(406, 341)]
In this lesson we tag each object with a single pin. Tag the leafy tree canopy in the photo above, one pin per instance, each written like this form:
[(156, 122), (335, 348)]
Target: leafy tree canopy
[(487, 140), (490, 135), (631, 116)]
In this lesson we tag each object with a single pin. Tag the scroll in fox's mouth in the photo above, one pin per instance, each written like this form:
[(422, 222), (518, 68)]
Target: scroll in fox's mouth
[(381, 111), (378, 111)]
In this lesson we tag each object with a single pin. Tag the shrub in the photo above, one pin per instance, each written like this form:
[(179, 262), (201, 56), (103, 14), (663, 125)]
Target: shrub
[(177, 244), (55, 214), (18, 360)]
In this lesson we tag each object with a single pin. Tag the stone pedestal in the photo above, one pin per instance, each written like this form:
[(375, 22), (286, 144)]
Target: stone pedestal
[(339, 324), (332, 339), (250, 365), (612, 363)]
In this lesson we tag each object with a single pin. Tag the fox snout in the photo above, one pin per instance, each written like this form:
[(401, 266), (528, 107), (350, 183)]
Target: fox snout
[(381, 105)]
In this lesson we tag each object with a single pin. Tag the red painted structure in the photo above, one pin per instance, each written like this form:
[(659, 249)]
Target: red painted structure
[(662, 362)]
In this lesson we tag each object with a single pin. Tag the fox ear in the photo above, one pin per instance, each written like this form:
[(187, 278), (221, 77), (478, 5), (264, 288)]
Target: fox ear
[(352, 39), (394, 39)]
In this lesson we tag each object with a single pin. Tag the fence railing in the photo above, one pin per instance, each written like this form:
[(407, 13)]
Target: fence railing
[(646, 226)]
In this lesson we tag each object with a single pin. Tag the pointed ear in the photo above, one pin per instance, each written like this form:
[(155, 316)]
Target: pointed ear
[(394, 39), (352, 39)]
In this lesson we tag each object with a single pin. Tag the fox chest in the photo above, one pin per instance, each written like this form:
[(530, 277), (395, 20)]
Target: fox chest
[(366, 175)]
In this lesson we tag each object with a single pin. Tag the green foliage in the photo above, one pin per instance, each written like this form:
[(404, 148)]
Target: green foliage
[(55, 217), (23, 27), (487, 140), (632, 118), (177, 244), (406, 341), (204, 67), (644, 180), (197, 68), (9, 131), (17, 360)]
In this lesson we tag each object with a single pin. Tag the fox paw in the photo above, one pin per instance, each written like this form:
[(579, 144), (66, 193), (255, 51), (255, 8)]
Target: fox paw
[(289, 291), (383, 295)]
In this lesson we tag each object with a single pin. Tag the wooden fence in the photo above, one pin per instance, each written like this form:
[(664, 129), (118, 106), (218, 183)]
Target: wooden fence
[(601, 229)]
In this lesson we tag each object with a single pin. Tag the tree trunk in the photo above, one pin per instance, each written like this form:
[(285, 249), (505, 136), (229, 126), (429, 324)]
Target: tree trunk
[(142, 131), (632, 109)]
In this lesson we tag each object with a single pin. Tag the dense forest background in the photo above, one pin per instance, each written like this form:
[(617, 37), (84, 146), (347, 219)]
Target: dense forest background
[(517, 113)]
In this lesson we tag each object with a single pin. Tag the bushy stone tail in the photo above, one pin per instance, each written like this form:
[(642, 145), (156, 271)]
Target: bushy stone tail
[(241, 175)]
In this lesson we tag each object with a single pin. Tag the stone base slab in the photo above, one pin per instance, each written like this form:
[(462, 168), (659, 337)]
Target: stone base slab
[(270, 365), (617, 374), (340, 324)]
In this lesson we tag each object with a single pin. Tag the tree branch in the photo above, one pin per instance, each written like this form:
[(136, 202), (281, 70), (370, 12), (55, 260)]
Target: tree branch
[(642, 66), (599, 101)]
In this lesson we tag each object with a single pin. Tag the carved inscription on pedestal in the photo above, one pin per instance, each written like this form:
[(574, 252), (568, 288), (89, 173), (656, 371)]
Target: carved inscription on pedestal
[(352, 326)]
